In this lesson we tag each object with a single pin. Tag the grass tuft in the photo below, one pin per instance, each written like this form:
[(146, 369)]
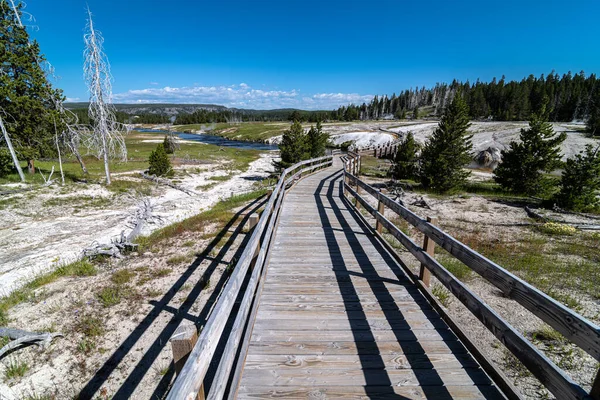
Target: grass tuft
[(16, 368)]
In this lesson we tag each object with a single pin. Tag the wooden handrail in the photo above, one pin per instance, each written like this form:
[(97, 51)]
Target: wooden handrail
[(189, 382), (572, 325)]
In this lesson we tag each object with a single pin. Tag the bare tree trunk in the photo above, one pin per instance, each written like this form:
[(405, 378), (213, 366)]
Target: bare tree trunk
[(12, 150), (62, 174)]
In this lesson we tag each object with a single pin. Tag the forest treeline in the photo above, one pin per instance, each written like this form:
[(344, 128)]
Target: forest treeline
[(571, 97)]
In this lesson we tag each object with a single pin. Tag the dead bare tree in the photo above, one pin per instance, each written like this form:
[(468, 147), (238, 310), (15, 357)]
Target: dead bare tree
[(106, 138)]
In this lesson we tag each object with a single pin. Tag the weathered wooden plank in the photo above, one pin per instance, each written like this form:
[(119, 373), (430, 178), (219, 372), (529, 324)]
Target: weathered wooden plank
[(350, 325), (340, 362), (348, 315), (370, 392), (390, 308), (363, 348), (357, 336), (333, 298), (400, 377)]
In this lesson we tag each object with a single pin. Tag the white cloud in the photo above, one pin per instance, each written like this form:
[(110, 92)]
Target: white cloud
[(154, 83), (73, 99), (240, 96)]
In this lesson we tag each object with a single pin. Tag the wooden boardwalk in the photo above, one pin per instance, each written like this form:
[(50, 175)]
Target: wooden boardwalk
[(338, 318)]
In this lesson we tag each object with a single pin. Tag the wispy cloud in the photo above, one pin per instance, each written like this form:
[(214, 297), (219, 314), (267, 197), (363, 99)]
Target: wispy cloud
[(240, 96), (154, 83), (73, 99)]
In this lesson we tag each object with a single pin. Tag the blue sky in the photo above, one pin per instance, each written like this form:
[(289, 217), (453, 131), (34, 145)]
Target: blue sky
[(312, 54)]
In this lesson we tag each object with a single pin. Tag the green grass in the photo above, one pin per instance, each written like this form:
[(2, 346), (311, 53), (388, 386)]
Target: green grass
[(89, 325), (547, 334), (221, 213), (180, 259), (138, 154), (455, 267), (442, 294), (110, 296), (122, 276), (78, 201), (27, 291), (250, 131), (16, 368), (221, 178)]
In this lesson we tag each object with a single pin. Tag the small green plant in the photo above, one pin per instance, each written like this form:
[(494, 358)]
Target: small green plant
[(177, 260), (110, 296), (547, 334), (86, 346), (78, 268), (122, 276), (456, 268), (189, 243), (555, 228), (161, 273), (442, 294), (89, 325), (15, 368)]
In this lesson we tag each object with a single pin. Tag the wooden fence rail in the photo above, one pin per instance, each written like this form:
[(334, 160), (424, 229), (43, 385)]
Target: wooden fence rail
[(573, 326), (189, 383)]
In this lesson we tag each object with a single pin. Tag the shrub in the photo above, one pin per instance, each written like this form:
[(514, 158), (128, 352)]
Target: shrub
[(538, 151), (160, 165), (447, 151), (405, 166), (554, 228), (580, 182), (170, 144), (6, 162)]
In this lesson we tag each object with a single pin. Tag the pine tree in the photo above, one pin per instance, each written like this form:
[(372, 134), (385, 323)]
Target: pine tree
[(593, 122), (416, 113), (405, 166), (160, 165), (525, 162), (317, 141), (294, 145), (580, 182), (25, 92), (6, 162), (448, 150)]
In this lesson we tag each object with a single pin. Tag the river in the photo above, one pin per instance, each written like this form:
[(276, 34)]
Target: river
[(217, 140)]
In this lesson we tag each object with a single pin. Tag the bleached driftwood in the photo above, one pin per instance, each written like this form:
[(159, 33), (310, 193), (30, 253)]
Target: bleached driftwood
[(142, 215), (421, 203), (167, 182), (20, 338)]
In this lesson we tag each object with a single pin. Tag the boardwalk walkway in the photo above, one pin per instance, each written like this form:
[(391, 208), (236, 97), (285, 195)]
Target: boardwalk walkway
[(338, 318)]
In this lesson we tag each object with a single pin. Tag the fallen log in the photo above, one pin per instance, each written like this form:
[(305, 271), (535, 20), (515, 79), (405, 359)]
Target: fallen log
[(532, 214), (20, 338)]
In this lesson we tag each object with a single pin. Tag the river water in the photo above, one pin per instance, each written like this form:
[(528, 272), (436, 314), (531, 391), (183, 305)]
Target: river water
[(217, 140)]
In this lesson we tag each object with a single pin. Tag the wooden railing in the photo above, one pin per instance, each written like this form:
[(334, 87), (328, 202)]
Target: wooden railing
[(381, 150), (189, 382), (571, 325)]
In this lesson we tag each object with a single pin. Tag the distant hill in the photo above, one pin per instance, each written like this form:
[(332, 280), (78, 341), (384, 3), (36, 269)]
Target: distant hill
[(175, 109)]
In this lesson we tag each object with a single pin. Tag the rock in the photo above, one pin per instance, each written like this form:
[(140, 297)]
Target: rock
[(489, 157)]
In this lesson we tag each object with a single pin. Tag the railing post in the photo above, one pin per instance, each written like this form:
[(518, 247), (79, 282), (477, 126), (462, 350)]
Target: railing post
[(359, 165), (182, 342), (380, 210), (429, 247)]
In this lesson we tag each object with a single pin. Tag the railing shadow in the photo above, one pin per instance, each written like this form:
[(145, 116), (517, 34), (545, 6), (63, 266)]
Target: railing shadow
[(433, 378), (179, 313), (374, 372)]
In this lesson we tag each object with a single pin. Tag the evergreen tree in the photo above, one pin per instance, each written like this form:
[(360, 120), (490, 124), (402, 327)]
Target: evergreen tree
[(525, 162), (25, 92), (6, 162), (593, 122), (294, 146), (317, 141), (580, 182), (170, 144), (416, 113), (405, 166), (448, 150), (160, 165)]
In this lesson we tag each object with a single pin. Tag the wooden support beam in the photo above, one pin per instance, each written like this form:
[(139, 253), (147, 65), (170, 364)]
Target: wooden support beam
[(429, 247), (182, 343), (380, 210), (252, 222)]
